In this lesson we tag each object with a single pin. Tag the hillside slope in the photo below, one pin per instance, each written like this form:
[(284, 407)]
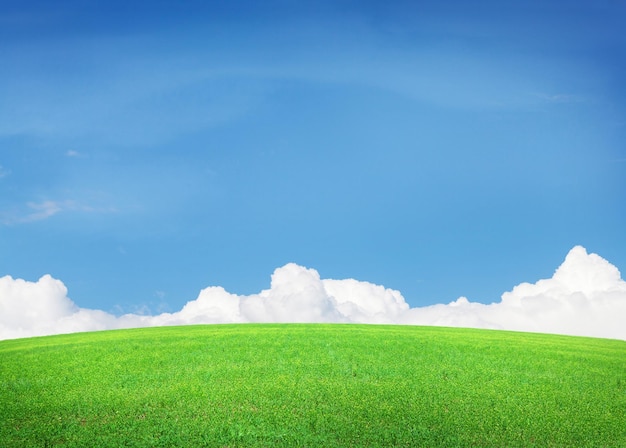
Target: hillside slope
[(312, 385)]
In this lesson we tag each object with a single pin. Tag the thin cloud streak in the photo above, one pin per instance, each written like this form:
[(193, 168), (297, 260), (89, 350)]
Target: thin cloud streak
[(157, 91), (586, 296), (34, 211), (39, 211)]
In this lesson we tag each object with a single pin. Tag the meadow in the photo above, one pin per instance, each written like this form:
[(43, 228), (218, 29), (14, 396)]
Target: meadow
[(311, 385)]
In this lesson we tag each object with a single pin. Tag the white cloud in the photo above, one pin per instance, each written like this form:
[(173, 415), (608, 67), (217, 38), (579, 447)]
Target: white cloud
[(4, 172), (39, 211), (36, 211), (560, 98), (31, 212), (586, 296)]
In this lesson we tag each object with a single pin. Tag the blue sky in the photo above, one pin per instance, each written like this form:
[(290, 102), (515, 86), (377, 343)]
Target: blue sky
[(151, 149)]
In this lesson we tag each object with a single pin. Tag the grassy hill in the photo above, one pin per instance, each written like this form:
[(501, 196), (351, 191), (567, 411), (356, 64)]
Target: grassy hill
[(312, 385)]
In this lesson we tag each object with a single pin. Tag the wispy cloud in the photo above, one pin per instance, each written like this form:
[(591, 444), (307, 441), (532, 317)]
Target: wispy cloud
[(560, 98), (4, 172), (39, 211), (586, 296), (195, 88)]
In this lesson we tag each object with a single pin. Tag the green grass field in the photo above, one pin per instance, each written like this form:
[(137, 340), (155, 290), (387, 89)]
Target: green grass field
[(312, 385)]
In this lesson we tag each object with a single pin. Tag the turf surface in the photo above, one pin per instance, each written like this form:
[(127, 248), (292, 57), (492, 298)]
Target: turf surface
[(312, 385)]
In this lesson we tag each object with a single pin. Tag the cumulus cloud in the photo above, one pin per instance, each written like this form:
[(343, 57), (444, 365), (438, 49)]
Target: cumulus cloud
[(42, 308), (585, 296)]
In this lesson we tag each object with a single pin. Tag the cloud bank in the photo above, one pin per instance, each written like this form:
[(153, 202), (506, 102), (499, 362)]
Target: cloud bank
[(586, 296)]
